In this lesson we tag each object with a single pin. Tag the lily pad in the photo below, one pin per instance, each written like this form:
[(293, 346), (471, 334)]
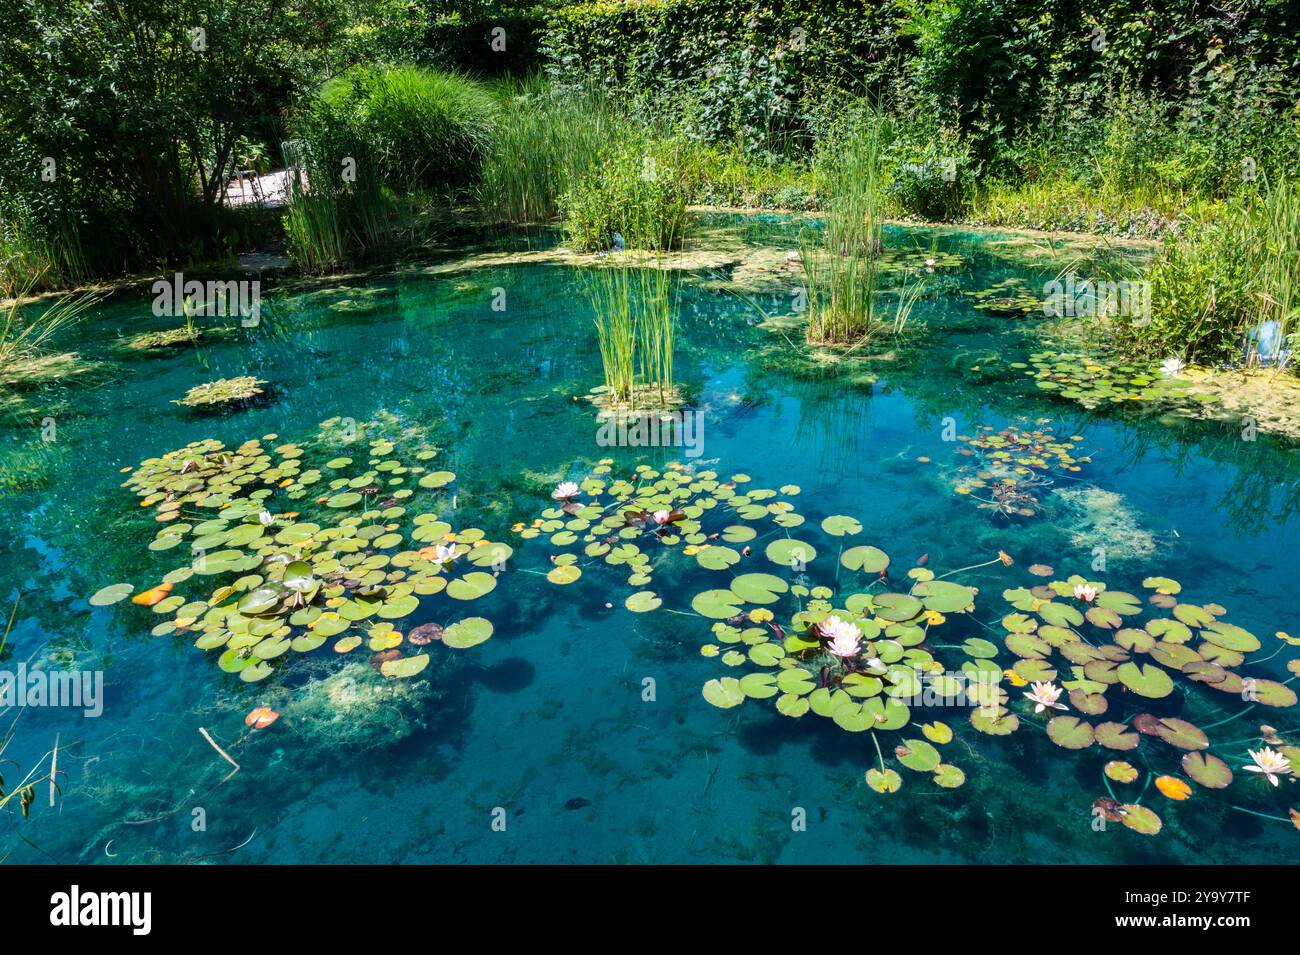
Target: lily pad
[(724, 693), (643, 601), (466, 633), (107, 596), (887, 781), (1207, 770)]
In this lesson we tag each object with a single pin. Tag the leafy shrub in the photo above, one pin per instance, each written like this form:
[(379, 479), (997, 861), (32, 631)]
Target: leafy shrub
[(415, 128), (931, 168), (637, 193), (1215, 285), (141, 134)]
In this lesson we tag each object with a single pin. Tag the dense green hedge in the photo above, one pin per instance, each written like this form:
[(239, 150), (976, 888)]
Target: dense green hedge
[(471, 43), (739, 64)]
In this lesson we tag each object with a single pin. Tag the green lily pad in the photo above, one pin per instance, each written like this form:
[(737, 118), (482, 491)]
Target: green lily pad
[(717, 558), (1070, 732), (1116, 736), (948, 776), (467, 633), (839, 525), (897, 607), (887, 781), (869, 560), (724, 693), (1181, 734), (475, 584), (944, 596), (107, 596), (404, 667), (917, 755), (716, 604), (788, 552), (980, 648), (1207, 769), (759, 686), (1230, 637), (758, 588), (1141, 819), (643, 601), (1146, 680), (564, 574)]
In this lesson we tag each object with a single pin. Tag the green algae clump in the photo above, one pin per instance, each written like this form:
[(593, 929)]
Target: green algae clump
[(224, 393)]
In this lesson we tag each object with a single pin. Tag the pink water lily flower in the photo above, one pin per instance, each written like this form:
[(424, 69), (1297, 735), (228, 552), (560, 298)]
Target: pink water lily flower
[(1085, 592), (1269, 762), (843, 639), (1044, 696), (566, 491), (662, 517)]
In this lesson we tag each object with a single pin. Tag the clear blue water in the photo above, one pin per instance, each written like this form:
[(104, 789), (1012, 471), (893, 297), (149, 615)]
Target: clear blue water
[(549, 712)]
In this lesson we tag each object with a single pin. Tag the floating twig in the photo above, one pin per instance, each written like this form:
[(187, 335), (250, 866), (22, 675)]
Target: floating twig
[(224, 754)]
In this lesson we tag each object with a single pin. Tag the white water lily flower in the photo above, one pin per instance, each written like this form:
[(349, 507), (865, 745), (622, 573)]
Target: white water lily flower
[(1045, 695), (565, 491), (267, 518), (1269, 762), (843, 638), (444, 553), (1172, 367), (1085, 592)]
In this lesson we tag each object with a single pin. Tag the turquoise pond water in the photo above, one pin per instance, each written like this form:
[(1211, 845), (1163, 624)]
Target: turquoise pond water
[(547, 719)]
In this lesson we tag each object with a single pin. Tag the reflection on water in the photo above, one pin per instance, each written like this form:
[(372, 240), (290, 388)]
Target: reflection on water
[(547, 719)]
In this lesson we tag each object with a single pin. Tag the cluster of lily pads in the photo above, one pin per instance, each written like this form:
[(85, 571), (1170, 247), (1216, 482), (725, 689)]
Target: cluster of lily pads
[(804, 654), (1090, 383), (224, 393), (1010, 297), (1119, 658), (849, 646), (918, 260), (859, 655), (636, 522), (1013, 467), (307, 545)]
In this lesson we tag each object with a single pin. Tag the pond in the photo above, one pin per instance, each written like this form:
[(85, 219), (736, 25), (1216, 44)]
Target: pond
[(591, 727)]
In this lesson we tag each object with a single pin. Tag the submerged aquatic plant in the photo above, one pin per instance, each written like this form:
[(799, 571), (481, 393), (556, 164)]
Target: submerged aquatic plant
[(303, 553), (1091, 514)]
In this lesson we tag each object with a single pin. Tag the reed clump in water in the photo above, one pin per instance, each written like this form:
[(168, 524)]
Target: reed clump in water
[(842, 270), (635, 301)]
